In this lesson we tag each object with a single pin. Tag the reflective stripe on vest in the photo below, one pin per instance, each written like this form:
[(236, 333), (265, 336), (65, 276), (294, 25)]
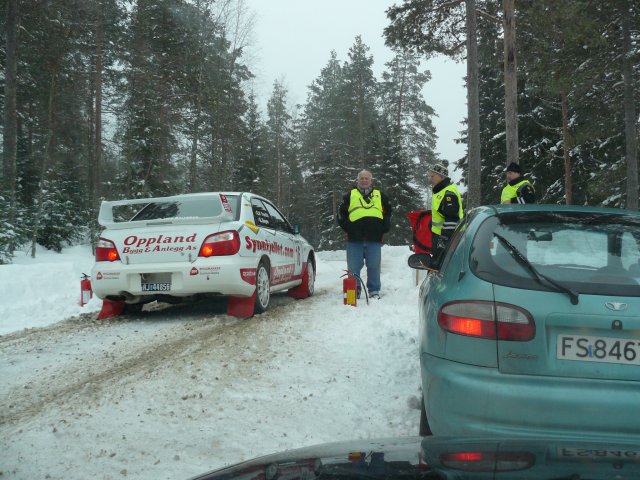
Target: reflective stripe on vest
[(360, 208), (511, 191), (437, 219)]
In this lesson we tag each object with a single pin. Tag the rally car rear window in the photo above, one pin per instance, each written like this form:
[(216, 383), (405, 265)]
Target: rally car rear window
[(195, 207)]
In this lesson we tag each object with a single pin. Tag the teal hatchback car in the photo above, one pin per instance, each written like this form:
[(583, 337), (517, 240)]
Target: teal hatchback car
[(531, 325)]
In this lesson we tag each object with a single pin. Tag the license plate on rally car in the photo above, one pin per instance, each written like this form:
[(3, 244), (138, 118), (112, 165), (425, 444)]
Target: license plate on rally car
[(598, 349), (156, 287), (156, 282)]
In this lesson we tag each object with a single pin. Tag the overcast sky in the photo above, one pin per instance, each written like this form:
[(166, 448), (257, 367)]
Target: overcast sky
[(293, 40)]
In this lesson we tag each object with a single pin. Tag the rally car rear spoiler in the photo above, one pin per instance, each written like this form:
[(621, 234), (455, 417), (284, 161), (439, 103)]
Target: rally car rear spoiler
[(105, 217)]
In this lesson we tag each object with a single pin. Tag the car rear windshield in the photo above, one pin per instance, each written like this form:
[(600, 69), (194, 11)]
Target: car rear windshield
[(183, 208), (593, 253)]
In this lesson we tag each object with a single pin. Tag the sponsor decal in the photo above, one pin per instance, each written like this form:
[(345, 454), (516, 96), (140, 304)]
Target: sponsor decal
[(282, 273), (159, 248), (137, 242), (194, 271), (209, 270), (262, 216), (267, 246), (108, 276), (225, 203), (248, 275), (298, 255)]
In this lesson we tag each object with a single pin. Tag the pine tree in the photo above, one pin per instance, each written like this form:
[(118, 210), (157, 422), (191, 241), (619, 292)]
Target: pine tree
[(405, 109), (437, 26), (325, 153), (250, 169)]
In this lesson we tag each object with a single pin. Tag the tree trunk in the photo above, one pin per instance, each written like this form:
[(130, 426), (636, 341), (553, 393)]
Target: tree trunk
[(47, 161), (193, 162), (473, 108), (278, 158), (510, 81), (97, 166), (10, 130), (629, 117), (566, 144), (400, 106), (95, 127), (363, 161)]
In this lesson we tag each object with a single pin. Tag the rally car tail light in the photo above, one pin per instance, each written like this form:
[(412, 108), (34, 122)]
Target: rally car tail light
[(492, 320), (106, 251), (223, 243)]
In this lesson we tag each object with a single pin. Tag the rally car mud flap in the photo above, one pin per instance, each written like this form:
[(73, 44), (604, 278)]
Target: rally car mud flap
[(302, 290), (241, 307), (110, 309)]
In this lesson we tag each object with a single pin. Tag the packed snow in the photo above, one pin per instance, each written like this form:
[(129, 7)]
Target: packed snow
[(177, 391)]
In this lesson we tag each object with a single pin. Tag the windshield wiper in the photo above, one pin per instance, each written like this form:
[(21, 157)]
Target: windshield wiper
[(522, 260)]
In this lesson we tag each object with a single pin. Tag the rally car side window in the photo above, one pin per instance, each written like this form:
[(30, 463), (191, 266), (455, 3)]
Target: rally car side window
[(260, 214), (278, 219)]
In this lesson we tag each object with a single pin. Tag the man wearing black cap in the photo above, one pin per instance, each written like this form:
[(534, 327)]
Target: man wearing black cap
[(518, 189), (446, 209)]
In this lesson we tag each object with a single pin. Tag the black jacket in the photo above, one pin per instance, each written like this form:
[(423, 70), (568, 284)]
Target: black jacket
[(526, 194), (367, 228), (449, 209)]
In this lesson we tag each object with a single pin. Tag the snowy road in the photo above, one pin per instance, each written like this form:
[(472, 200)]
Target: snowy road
[(178, 391)]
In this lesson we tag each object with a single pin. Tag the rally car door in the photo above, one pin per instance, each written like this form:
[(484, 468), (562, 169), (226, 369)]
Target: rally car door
[(269, 240), (289, 267)]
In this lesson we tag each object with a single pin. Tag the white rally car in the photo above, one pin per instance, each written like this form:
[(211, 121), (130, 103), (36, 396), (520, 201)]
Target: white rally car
[(232, 244)]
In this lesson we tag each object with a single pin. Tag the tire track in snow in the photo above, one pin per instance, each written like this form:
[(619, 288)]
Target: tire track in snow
[(85, 381)]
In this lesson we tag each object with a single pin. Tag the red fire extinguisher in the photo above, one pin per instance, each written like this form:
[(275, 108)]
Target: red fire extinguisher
[(85, 289), (350, 289)]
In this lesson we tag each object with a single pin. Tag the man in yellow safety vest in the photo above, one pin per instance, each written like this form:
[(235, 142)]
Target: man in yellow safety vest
[(446, 210), (518, 188), (365, 214)]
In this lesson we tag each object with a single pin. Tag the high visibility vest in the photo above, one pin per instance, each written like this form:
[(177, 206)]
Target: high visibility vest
[(512, 191), (360, 208), (437, 219)]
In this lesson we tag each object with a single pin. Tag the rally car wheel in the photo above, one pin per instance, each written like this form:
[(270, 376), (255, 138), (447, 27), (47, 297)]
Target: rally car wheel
[(263, 293), (311, 278)]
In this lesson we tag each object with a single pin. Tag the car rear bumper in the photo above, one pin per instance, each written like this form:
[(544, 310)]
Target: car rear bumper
[(464, 399), (224, 276)]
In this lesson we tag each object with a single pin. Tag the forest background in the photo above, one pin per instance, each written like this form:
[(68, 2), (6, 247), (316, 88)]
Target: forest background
[(110, 99)]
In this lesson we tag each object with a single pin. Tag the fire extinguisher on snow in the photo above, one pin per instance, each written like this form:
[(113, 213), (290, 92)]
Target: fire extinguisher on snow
[(85, 289), (350, 289)]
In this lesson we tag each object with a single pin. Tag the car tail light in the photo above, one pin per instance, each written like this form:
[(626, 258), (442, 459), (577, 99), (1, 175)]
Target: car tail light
[(498, 321), (488, 461), (223, 243), (106, 251)]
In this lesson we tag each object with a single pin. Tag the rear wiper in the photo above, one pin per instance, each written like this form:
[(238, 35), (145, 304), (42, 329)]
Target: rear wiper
[(522, 260)]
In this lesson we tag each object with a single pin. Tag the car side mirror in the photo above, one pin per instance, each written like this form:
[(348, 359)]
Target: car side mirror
[(420, 261), (296, 229)]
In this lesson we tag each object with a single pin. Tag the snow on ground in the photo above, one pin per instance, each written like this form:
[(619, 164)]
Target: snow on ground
[(177, 392), (43, 290)]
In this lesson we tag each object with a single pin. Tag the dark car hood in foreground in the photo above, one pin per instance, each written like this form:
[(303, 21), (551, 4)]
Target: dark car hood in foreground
[(445, 458)]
